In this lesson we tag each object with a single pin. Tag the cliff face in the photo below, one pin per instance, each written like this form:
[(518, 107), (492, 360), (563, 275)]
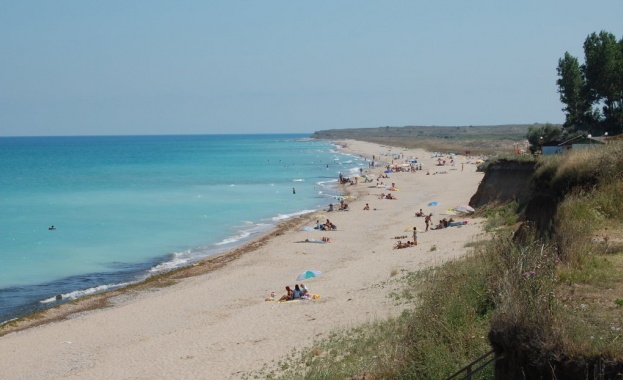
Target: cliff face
[(521, 355), (504, 181)]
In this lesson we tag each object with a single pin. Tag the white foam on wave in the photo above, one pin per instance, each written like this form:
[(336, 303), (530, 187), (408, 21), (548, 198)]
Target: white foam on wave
[(298, 180), (353, 172), (230, 240), (8, 320), (85, 292), (326, 183), (281, 217), (245, 232), (178, 259)]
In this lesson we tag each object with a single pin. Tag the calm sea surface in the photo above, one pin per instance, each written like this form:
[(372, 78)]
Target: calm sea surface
[(126, 207)]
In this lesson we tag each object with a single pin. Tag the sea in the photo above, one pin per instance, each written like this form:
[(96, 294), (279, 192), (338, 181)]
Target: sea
[(85, 215)]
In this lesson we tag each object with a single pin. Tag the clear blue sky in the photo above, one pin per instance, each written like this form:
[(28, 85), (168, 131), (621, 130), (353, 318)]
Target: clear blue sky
[(76, 67)]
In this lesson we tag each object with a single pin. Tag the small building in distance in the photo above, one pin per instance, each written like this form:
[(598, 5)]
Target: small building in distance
[(577, 142)]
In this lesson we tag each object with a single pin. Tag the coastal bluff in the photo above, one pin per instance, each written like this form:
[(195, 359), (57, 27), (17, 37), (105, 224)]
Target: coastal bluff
[(540, 188)]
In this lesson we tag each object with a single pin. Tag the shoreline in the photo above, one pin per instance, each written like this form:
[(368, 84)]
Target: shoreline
[(217, 305), (48, 302)]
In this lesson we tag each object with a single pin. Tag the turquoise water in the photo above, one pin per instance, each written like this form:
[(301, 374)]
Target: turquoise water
[(126, 207)]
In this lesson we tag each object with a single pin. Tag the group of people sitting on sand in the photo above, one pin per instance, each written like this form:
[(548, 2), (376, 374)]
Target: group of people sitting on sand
[(443, 223), (345, 180), (326, 226), (296, 293), (343, 206)]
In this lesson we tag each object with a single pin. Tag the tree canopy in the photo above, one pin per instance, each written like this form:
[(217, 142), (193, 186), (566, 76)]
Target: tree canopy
[(537, 136), (592, 92)]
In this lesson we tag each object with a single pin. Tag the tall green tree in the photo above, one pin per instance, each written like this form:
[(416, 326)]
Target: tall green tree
[(603, 72), (593, 92), (572, 90)]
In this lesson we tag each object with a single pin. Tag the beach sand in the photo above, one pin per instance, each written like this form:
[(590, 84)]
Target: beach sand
[(217, 325)]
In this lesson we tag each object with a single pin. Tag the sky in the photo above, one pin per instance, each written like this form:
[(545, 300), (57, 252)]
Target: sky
[(76, 67)]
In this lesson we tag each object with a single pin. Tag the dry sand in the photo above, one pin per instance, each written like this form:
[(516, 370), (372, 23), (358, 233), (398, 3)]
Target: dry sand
[(217, 325)]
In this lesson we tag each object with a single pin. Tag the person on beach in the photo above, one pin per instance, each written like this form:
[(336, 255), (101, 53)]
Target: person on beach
[(297, 292), (366, 207), (419, 213), (330, 207), (414, 235), (343, 205), (326, 239), (427, 220), (328, 226), (304, 291), (288, 295), (400, 244)]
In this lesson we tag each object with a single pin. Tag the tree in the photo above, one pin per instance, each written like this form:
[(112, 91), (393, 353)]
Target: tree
[(603, 70), (572, 87), (593, 92), (539, 135)]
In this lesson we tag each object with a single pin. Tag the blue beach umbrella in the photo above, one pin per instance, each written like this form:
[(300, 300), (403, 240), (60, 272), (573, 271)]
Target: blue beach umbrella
[(433, 203), (308, 274)]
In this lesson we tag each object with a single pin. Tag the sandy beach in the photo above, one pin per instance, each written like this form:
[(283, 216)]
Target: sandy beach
[(217, 325)]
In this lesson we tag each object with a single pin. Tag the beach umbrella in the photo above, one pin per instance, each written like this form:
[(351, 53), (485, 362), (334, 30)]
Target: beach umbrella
[(449, 212), (433, 203), (308, 274), (464, 208), (411, 229)]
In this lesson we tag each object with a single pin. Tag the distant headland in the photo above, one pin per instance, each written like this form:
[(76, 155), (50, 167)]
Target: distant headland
[(477, 139)]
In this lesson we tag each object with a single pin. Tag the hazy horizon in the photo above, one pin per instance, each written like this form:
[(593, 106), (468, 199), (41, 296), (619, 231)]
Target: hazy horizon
[(202, 67)]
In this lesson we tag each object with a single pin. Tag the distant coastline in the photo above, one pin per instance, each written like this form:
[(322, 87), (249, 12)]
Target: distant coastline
[(475, 139)]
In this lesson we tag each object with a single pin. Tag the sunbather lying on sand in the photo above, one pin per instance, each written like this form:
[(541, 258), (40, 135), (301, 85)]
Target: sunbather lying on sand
[(400, 245), (313, 241)]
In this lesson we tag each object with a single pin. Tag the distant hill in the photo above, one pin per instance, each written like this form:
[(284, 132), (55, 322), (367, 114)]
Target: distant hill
[(477, 139)]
